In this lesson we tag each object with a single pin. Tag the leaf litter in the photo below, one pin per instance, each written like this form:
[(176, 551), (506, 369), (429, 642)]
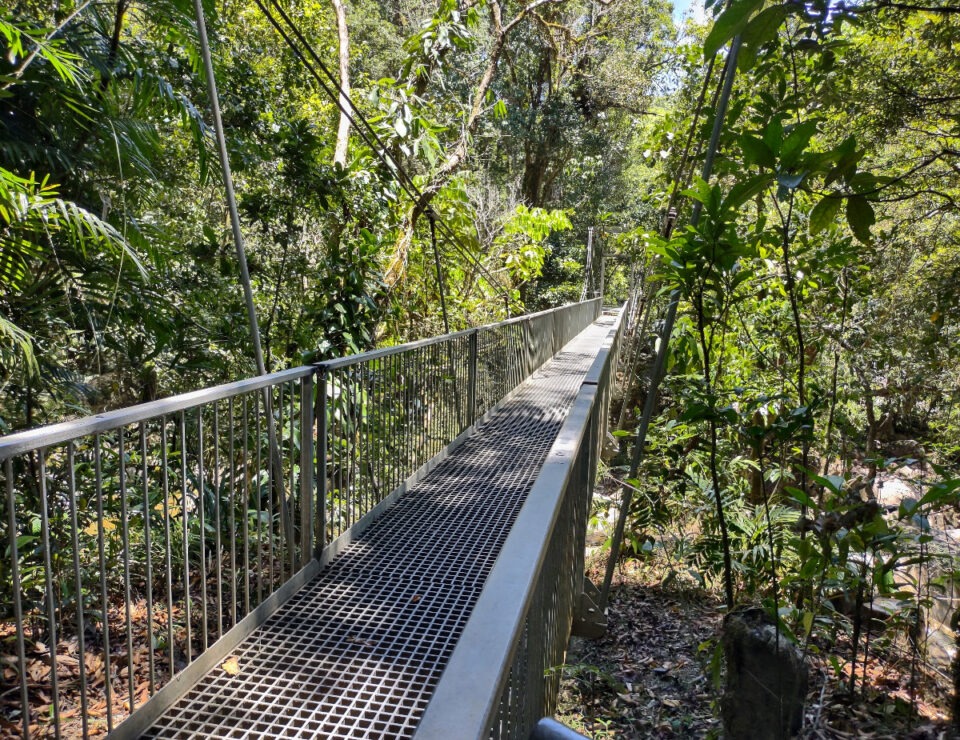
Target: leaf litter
[(655, 673)]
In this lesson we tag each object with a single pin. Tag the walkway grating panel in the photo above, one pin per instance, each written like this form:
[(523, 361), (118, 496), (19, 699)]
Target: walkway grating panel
[(357, 652)]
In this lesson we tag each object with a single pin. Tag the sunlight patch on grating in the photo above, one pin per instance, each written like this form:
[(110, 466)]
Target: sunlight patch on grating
[(357, 652)]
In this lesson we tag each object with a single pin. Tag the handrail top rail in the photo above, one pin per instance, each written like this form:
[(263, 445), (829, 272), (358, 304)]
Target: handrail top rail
[(63, 432), (338, 363), (377, 354)]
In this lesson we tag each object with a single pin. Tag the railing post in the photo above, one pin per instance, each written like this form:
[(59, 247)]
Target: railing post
[(306, 469), (320, 417), (472, 379), (526, 336)]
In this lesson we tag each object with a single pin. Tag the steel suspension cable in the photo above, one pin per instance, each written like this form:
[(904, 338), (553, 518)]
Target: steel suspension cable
[(364, 128), (228, 187), (360, 122), (657, 372), (431, 217), (276, 466), (681, 182)]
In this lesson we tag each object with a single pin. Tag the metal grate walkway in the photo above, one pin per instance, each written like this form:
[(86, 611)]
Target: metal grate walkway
[(357, 652)]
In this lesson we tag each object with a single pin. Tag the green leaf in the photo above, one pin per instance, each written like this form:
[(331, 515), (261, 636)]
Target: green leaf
[(764, 26), (745, 190), (746, 61), (773, 135), (861, 217), (731, 22), (797, 140), (824, 213), (755, 151), (801, 497)]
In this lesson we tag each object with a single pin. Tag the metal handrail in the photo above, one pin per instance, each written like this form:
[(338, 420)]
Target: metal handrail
[(168, 527), (503, 674), (55, 434), (383, 352)]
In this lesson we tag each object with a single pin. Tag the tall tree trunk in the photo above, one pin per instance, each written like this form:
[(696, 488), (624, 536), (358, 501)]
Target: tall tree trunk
[(458, 151), (343, 41), (119, 12)]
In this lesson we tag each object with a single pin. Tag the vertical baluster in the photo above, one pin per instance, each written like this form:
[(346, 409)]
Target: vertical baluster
[(433, 378), (232, 512), (271, 488), (360, 491), (369, 426), (168, 543), (48, 578), (417, 362), (292, 498), (472, 378), (259, 499), (282, 530), (344, 449), (386, 414), (446, 397), (382, 438), (421, 362), (363, 420), (321, 514), (347, 395), (125, 544), (306, 469), (202, 525), (407, 425), (77, 579), (17, 601), (448, 392), (104, 601), (245, 467), (217, 505), (401, 425), (376, 494), (425, 365), (185, 514), (148, 545), (334, 400), (397, 432), (356, 442)]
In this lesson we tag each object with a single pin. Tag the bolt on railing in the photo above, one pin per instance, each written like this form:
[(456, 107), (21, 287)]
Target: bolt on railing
[(133, 540)]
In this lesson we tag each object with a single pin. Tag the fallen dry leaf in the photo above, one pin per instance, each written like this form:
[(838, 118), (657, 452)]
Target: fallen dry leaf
[(231, 666)]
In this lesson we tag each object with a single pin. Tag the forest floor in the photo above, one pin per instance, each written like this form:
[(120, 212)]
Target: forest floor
[(651, 674)]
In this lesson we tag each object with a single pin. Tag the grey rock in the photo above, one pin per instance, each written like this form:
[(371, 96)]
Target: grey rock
[(766, 681)]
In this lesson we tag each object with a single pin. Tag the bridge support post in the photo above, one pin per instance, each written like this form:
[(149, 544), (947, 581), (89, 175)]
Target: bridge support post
[(306, 470), (589, 619), (472, 380), (320, 418)]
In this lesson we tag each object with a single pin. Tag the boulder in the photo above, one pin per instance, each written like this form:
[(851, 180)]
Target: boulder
[(766, 679)]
